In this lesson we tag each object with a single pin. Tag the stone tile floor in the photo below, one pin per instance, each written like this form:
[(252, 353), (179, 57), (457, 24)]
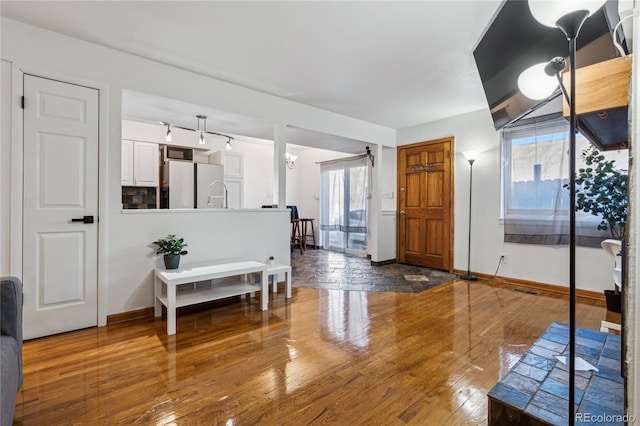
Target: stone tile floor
[(331, 270), (538, 384)]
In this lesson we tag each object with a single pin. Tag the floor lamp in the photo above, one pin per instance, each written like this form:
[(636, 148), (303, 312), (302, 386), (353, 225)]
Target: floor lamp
[(471, 156), (568, 17)]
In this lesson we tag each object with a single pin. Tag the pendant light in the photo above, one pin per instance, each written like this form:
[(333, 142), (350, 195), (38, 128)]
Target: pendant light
[(228, 144), (202, 141)]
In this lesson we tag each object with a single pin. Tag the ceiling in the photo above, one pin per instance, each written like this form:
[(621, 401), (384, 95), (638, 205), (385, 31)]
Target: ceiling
[(392, 63)]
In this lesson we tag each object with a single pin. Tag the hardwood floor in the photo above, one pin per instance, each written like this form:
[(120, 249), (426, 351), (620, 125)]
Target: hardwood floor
[(323, 357)]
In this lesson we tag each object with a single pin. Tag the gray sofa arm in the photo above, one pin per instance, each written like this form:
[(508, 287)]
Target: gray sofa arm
[(11, 312)]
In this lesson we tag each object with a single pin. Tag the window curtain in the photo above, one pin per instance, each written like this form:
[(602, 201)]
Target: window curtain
[(535, 168), (344, 193)]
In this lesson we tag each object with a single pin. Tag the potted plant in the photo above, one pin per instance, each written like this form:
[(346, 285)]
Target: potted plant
[(601, 189), (271, 258), (172, 248)]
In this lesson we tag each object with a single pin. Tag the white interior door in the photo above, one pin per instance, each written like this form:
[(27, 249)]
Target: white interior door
[(60, 253)]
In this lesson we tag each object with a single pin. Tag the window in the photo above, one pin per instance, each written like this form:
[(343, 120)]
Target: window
[(535, 166), (344, 194)]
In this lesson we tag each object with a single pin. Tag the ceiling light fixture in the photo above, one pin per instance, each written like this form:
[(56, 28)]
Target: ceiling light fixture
[(291, 160), (202, 141), (201, 130)]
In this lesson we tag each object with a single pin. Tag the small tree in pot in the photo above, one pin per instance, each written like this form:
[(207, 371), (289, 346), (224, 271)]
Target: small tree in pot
[(172, 248), (601, 190)]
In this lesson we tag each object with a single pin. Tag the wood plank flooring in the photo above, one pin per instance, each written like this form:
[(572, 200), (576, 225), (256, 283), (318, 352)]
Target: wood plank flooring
[(323, 357)]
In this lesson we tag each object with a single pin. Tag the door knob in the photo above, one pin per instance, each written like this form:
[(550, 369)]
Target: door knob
[(84, 219), (402, 212)]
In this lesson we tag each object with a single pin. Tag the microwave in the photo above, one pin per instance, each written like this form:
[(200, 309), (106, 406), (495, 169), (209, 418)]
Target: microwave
[(176, 153)]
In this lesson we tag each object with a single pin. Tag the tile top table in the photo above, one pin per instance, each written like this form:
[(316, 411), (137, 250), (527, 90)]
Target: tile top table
[(188, 274), (536, 390)]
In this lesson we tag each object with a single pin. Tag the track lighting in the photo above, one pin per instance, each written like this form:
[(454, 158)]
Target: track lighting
[(202, 130)]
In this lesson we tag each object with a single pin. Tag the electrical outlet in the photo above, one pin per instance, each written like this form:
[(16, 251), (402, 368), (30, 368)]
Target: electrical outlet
[(503, 257)]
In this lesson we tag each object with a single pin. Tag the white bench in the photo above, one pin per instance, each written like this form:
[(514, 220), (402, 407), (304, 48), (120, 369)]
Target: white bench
[(273, 269), (190, 274)]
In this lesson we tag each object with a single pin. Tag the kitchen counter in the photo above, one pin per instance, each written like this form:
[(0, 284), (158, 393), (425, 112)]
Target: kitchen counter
[(160, 211)]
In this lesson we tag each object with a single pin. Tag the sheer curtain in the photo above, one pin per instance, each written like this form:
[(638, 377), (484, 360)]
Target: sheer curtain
[(344, 193), (535, 168)]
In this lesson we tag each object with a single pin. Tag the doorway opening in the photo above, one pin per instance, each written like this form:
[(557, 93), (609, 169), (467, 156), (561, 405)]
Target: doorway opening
[(344, 198)]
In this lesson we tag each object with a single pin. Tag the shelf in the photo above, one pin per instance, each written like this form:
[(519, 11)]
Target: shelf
[(208, 294), (184, 283), (602, 98)]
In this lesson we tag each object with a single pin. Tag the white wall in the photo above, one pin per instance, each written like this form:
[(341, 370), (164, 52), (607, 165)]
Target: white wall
[(544, 264), (5, 167), (124, 280), (385, 232), (388, 186), (211, 234)]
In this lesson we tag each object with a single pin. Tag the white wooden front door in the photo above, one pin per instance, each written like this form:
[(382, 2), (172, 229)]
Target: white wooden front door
[(60, 256)]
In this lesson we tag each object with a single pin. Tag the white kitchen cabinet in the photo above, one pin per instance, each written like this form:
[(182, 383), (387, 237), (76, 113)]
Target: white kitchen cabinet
[(145, 164), (140, 163), (127, 162), (233, 163)]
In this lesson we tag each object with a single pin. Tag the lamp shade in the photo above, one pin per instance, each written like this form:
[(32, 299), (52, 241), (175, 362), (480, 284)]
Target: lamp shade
[(471, 155), (547, 12), (535, 83)]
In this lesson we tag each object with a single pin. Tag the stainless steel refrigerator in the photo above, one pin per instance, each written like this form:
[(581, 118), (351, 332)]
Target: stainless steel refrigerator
[(185, 185)]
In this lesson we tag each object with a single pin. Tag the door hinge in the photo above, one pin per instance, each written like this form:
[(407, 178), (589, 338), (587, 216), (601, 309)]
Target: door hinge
[(22, 103)]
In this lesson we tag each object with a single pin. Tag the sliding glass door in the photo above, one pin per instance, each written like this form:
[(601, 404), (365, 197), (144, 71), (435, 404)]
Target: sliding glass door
[(344, 195)]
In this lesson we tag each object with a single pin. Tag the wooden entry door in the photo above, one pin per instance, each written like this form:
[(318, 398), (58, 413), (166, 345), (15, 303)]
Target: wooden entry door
[(60, 206), (425, 223)]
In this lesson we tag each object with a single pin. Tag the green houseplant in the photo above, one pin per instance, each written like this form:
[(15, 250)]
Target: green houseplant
[(172, 248), (601, 190)]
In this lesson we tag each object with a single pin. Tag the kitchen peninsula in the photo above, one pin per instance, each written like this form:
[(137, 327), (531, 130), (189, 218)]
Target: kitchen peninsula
[(176, 174), (212, 235)]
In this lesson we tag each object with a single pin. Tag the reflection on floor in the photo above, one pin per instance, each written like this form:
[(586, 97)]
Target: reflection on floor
[(331, 270), (325, 357)]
